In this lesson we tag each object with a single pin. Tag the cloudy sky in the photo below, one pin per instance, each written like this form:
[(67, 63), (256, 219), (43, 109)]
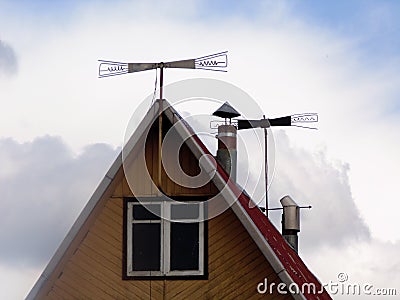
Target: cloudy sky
[(61, 126)]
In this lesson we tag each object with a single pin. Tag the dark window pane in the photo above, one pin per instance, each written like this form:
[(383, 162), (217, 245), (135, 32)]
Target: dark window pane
[(146, 246), (147, 212), (184, 246), (184, 211)]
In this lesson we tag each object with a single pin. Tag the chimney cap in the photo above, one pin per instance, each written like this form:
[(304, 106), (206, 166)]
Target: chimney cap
[(226, 111), (291, 214), (287, 201)]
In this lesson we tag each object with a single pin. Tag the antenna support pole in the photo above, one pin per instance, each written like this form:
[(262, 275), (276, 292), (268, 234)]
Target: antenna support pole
[(161, 79), (266, 168), (160, 112)]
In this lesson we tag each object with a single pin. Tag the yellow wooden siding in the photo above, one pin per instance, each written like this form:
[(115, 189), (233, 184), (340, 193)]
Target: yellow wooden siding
[(94, 271), (92, 265)]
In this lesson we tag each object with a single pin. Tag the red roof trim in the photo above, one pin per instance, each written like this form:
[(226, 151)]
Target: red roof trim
[(292, 262)]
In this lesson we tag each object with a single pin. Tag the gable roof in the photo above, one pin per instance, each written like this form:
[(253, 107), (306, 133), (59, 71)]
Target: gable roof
[(285, 261)]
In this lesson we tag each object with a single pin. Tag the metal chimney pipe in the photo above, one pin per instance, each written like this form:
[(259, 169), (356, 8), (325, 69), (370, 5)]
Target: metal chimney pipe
[(290, 221), (227, 152)]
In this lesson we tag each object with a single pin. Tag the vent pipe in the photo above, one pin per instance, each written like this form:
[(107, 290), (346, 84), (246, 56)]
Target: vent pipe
[(290, 221), (227, 152), (227, 140)]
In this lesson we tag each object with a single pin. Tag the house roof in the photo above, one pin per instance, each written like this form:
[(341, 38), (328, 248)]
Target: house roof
[(285, 261)]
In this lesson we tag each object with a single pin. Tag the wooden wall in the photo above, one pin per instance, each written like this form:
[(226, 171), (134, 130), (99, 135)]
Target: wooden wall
[(143, 164), (94, 271), (92, 268)]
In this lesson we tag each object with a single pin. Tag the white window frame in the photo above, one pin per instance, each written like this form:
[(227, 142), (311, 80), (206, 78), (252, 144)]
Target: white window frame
[(165, 239), (130, 271)]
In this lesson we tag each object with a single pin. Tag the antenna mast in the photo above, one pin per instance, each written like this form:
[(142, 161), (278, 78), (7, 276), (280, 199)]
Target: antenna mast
[(292, 120)]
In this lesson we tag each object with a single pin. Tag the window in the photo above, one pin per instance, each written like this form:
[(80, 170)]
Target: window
[(170, 245)]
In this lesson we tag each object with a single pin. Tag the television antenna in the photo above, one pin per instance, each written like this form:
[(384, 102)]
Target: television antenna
[(213, 62), (297, 120)]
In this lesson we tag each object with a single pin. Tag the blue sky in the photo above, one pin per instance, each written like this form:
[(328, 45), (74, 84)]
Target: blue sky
[(374, 23), (338, 58)]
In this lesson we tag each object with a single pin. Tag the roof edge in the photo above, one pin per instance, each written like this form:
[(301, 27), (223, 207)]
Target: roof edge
[(240, 212)]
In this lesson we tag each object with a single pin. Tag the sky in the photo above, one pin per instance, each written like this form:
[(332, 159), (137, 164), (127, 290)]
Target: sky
[(61, 126)]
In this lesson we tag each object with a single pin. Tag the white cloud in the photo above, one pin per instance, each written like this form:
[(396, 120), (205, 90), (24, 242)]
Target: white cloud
[(8, 60), (15, 282), (311, 179), (43, 189), (374, 263), (334, 238)]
